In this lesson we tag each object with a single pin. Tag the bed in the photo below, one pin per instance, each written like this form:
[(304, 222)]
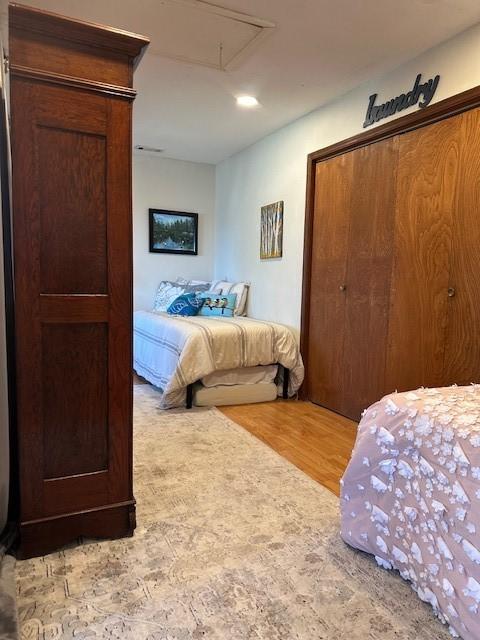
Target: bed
[(173, 353), (411, 497)]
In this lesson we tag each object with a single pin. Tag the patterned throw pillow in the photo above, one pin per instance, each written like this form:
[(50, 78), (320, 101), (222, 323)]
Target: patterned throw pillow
[(239, 288), (218, 305), (167, 292), (188, 304)]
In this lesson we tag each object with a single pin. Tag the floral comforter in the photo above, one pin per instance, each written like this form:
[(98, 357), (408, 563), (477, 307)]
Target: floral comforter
[(411, 497)]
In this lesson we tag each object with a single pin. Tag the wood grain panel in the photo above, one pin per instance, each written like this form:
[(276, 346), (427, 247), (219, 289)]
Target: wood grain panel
[(57, 108), (333, 183), (26, 234), (40, 51), (71, 175), (426, 186), (462, 349), (89, 489), (75, 398), (35, 308), (103, 39), (76, 308), (40, 536), (369, 267), (73, 251), (120, 258)]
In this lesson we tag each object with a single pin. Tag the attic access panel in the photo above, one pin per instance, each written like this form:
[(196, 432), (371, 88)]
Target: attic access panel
[(203, 33)]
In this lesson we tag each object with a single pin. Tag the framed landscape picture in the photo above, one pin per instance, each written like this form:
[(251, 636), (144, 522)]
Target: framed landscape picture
[(271, 231), (173, 232)]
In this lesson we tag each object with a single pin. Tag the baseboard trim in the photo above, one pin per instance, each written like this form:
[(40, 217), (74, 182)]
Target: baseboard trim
[(39, 537)]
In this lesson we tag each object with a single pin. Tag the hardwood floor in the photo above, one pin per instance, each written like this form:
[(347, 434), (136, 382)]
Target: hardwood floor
[(317, 441)]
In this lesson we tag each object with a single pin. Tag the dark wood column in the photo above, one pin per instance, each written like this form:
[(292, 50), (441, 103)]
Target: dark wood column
[(71, 95)]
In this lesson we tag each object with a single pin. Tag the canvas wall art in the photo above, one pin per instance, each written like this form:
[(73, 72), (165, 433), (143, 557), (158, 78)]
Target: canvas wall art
[(173, 232), (271, 231)]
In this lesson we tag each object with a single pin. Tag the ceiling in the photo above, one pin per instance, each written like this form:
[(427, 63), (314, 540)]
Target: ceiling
[(297, 56)]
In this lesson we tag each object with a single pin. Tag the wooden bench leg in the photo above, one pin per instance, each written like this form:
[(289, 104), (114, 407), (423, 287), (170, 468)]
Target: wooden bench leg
[(189, 396), (286, 379)]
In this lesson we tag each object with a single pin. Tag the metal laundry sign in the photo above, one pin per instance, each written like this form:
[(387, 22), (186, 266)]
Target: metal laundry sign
[(422, 93)]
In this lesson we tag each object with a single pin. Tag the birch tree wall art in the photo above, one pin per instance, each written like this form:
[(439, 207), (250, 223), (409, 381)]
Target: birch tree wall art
[(271, 231)]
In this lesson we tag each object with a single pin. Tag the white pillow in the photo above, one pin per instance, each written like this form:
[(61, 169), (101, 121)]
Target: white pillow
[(197, 283), (181, 280), (167, 292), (240, 288)]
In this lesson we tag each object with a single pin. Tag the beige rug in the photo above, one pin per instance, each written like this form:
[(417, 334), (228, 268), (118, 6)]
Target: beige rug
[(233, 543)]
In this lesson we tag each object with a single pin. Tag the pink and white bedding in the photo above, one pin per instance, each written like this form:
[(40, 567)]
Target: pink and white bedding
[(411, 497)]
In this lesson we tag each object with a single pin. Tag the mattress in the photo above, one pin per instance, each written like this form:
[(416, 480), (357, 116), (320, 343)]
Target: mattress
[(234, 394), (245, 375), (411, 497)]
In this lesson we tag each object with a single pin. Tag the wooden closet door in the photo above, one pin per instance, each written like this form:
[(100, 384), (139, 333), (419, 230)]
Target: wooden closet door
[(462, 346), (351, 270), (72, 243), (369, 267), (331, 221), (428, 172)]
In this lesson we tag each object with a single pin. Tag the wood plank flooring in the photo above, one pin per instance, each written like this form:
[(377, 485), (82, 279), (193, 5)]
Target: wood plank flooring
[(317, 441)]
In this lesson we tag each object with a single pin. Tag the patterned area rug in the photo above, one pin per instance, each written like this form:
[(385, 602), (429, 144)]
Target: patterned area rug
[(8, 609), (233, 543)]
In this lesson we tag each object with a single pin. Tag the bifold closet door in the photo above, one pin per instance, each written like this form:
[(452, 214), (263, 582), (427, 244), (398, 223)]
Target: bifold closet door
[(350, 281), (331, 223), (429, 169), (462, 346), (369, 268)]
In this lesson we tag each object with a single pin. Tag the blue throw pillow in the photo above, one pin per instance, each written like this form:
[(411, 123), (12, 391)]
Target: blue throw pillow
[(217, 304), (187, 304)]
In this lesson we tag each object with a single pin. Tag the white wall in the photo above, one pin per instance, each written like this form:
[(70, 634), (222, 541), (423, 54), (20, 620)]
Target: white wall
[(161, 183), (275, 169)]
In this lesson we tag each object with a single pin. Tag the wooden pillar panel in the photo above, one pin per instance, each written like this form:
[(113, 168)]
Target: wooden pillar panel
[(72, 231)]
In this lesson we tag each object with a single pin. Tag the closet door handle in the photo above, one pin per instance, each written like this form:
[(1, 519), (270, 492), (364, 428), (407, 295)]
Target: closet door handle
[(343, 287), (451, 292)]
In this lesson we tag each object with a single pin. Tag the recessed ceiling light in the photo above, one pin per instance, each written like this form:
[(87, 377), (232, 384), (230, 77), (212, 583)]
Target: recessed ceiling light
[(247, 101)]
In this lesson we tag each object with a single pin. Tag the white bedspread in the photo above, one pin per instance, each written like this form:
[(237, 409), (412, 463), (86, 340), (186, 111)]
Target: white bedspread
[(172, 352)]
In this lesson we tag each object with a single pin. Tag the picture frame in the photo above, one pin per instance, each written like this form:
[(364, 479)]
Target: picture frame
[(174, 232), (271, 231)]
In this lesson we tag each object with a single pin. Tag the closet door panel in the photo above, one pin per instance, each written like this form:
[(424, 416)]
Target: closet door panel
[(462, 350), (428, 169), (333, 184), (370, 254)]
